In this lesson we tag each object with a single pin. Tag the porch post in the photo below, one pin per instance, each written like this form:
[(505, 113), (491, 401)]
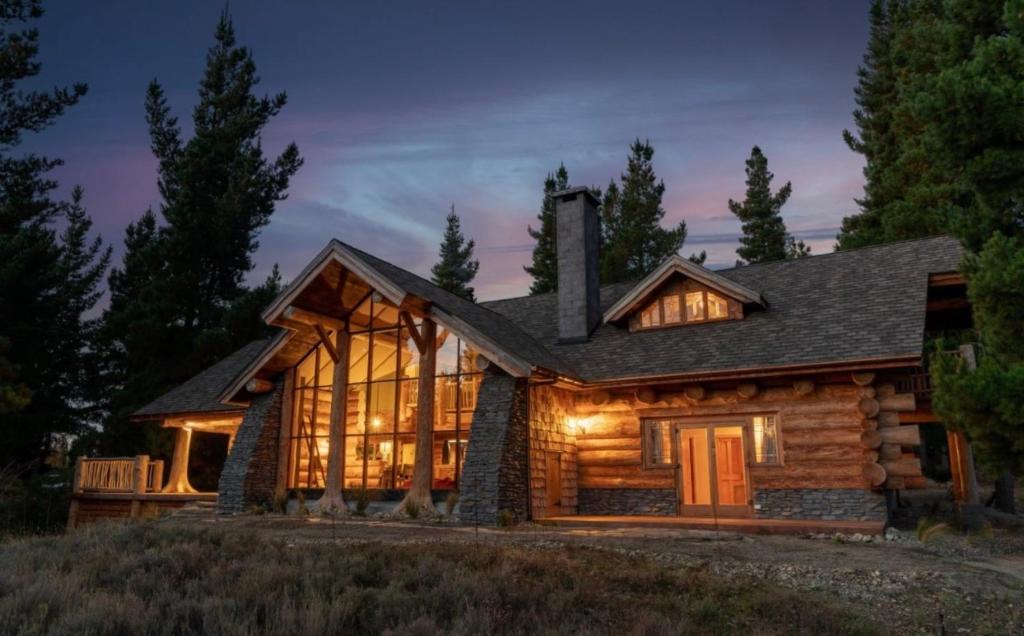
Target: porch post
[(178, 480), (423, 470), (332, 498)]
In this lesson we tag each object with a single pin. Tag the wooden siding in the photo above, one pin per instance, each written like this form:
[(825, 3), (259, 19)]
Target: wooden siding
[(551, 432)]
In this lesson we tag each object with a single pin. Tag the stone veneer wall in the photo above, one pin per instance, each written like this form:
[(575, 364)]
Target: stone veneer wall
[(494, 477), (628, 501), (250, 471), (819, 503), (550, 409)]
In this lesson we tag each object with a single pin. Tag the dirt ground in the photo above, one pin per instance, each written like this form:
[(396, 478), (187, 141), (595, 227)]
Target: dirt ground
[(950, 584)]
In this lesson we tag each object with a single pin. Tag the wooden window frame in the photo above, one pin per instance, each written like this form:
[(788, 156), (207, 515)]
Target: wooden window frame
[(652, 415), (779, 452), (680, 295), (645, 453)]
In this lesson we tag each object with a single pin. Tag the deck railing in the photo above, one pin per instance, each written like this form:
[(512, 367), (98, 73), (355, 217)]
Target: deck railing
[(119, 474)]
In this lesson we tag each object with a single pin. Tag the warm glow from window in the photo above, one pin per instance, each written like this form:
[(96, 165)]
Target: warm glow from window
[(671, 305), (717, 306), (658, 443), (694, 306), (650, 317), (766, 439)]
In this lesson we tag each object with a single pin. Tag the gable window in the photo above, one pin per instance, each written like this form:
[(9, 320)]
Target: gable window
[(671, 307), (717, 306), (766, 440), (694, 306), (651, 317), (657, 443)]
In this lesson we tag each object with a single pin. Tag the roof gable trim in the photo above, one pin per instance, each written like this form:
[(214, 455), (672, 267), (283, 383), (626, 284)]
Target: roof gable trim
[(679, 265)]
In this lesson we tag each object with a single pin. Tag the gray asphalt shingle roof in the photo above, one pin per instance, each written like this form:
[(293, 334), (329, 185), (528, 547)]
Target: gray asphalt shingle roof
[(842, 306), (201, 393)]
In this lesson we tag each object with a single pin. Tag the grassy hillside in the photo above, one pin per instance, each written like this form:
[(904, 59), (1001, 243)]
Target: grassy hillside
[(152, 579)]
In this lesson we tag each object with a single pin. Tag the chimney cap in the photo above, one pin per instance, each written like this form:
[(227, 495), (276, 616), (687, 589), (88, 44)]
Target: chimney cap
[(572, 192)]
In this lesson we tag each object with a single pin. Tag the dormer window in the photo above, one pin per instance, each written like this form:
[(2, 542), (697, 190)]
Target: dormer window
[(685, 302)]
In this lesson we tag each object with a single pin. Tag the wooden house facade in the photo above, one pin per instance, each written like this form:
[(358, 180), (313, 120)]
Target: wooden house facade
[(776, 394)]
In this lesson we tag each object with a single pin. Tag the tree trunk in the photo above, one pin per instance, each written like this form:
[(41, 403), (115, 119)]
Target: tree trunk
[(332, 499), (1003, 496), (423, 471)]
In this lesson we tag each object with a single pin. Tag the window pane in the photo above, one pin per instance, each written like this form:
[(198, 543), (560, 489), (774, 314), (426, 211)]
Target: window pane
[(359, 319), (658, 443), (385, 355), (354, 461), (651, 316), (717, 306), (326, 375), (671, 306), (358, 354), (384, 315), (304, 372), (467, 358), (469, 386), (405, 457), (355, 417), (766, 440), (445, 449), (445, 402), (447, 353), (382, 407), (379, 460), (408, 357), (694, 306), (408, 392)]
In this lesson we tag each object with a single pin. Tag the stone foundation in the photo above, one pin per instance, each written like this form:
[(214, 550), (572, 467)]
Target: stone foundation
[(628, 501), (250, 471), (844, 504), (495, 476)]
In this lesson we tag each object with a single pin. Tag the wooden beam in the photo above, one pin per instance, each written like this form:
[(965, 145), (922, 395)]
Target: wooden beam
[(863, 379), (945, 280), (326, 340), (898, 402), (259, 385), (888, 452), (312, 318), (747, 390), (803, 387), (414, 331), (905, 435)]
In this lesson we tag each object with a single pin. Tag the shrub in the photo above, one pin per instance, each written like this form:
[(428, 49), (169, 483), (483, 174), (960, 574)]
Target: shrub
[(450, 502)]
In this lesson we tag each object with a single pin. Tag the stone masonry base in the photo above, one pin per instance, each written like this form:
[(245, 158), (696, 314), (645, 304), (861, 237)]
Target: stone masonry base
[(628, 501), (839, 504)]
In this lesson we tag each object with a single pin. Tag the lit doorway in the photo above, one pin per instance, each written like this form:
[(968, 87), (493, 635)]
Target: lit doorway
[(713, 477)]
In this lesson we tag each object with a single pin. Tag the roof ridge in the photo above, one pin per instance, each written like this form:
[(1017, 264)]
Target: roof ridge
[(836, 252)]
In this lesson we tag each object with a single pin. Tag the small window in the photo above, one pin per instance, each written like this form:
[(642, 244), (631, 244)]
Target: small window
[(766, 439), (657, 447), (717, 306), (671, 306), (694, 306), (651, 317)]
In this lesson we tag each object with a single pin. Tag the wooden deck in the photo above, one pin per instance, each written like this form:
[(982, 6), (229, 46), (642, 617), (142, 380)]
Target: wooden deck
[(89, 507), (748, 525)]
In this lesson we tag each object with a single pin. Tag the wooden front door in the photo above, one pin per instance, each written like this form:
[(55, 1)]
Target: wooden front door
[(713, 476), (554, 483)]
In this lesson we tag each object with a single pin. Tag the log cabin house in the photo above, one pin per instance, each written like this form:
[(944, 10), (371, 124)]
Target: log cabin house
[(774, 397)]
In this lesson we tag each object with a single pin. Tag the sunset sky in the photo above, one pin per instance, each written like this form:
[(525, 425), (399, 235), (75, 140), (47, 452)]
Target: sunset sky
[(401, 109)]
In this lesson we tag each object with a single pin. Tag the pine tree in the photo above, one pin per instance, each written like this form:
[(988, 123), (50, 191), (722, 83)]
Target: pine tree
[(764, 232), (48, 281), (180, 285), (634, 243), (970, 116), (544, 268), (457, 268), (876, 94)]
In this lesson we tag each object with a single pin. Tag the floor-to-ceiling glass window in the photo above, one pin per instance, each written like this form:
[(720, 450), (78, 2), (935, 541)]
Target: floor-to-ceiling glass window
[(381, 402)]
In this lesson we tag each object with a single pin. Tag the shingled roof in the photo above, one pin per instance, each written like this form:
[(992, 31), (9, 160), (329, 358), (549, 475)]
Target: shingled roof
[(201, 393), (863, 304)]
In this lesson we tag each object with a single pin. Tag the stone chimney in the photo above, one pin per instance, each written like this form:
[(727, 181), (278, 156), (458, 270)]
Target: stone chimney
[(578, 238)]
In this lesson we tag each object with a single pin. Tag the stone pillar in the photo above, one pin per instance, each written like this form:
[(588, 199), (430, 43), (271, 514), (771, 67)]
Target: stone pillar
[(250, 471), (495, 477)]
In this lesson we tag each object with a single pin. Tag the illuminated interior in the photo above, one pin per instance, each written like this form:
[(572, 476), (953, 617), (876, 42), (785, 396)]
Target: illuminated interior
[(381, 401), (678, 305)]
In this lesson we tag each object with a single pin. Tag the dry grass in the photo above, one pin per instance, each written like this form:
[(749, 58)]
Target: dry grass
[(151, 579)]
